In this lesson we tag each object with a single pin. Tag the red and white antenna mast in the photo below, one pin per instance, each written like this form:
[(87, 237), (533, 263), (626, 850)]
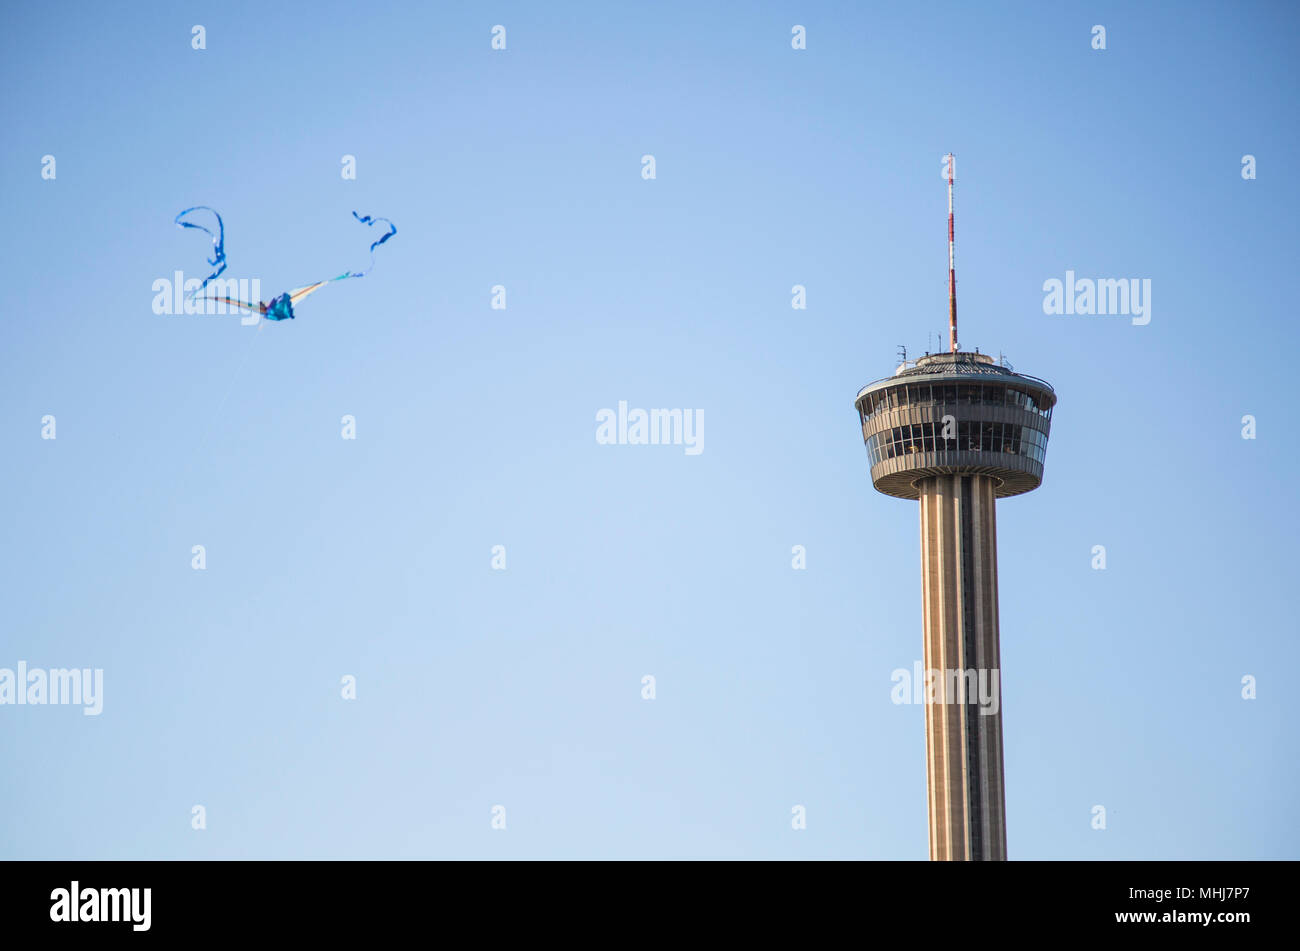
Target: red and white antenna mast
[(952, 266)]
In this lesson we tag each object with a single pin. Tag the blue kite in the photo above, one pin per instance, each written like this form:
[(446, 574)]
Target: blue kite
[(281, 307)]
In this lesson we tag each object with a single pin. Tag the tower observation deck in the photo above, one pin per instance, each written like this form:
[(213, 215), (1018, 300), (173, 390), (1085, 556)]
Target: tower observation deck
[(956, 413)]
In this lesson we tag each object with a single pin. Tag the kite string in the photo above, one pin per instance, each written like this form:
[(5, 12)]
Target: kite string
[(248, 351)]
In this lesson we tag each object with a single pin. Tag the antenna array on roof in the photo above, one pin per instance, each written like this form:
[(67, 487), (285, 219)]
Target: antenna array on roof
[(952, 262)]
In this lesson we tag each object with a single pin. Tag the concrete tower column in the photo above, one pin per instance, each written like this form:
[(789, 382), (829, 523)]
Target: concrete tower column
[(960, 602)]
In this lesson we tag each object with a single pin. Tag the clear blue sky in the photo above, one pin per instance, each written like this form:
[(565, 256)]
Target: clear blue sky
[(475, 427)]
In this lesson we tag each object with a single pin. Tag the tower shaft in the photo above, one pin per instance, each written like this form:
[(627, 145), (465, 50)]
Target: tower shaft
[(963, 730)]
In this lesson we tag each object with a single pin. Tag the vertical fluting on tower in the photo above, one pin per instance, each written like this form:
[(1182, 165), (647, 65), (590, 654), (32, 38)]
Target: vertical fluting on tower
[(960, 605)]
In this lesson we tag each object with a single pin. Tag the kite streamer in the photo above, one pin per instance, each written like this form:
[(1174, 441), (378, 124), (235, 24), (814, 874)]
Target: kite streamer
[(218, 259), (281, 307)]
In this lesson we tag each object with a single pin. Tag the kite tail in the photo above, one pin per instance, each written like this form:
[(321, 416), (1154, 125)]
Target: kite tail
[(369, 221), (218, 259)]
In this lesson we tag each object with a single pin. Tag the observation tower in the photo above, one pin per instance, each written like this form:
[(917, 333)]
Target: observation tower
[(958, 431)]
